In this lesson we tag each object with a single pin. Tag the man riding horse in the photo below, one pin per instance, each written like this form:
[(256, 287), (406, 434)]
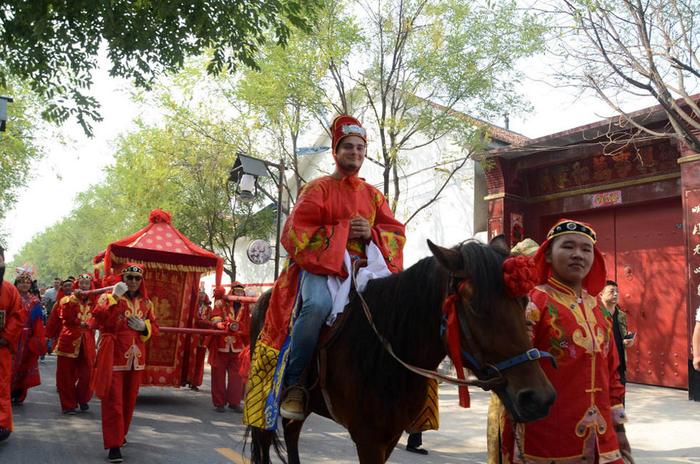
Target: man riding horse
[(337, 220)]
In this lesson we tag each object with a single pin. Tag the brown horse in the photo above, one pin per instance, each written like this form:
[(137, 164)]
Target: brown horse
[(372, 395)]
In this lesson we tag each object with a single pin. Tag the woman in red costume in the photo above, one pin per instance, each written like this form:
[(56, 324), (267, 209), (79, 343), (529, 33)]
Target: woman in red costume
[(585, 421), (202, 322), (225, 350), (11, 322), (75, 348), (32, 342), (126, 321)]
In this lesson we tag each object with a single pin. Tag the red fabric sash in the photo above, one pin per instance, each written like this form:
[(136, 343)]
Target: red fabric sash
[(102, 378), (454, 347)]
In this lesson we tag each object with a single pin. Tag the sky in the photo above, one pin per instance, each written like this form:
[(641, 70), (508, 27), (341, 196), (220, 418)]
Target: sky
[(70, 168)]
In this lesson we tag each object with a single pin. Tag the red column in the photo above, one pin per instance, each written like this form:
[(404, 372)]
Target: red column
[(690, 187)]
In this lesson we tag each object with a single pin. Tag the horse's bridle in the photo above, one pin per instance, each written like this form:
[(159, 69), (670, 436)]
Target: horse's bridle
[(488, 373)]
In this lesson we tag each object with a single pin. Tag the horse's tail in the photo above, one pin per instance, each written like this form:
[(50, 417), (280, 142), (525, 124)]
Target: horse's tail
[(257, 317), (260, 443)]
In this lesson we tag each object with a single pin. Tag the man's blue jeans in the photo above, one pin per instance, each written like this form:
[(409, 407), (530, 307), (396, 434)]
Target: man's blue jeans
[(316, 304)]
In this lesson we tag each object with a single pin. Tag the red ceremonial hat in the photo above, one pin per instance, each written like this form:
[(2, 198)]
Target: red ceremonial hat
[(138, 270), (219, 292), (344, 126), (84, 276), (595, 280)]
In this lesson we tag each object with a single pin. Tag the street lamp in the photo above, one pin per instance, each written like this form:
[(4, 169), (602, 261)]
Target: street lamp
[(3, 111), (244, 174)]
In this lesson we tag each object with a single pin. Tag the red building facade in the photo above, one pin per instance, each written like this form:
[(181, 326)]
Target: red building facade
[(642, 194)]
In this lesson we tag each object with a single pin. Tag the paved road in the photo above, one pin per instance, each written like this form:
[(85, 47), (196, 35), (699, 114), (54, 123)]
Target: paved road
[(179, 426)]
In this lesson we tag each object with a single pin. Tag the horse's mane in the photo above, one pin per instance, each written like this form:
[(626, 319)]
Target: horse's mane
[(406, 308)]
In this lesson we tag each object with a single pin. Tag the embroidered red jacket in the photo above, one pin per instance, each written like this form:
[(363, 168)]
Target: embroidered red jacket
[(74, 315), (111, 315), (238, 339)]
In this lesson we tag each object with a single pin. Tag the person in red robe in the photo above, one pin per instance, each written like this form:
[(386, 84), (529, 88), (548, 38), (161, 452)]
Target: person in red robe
[(126, 321), (336, 219), (53, 325), (75, 347), (12, 318), (225, 350), (32, 341), (587, 417), (201, 321)]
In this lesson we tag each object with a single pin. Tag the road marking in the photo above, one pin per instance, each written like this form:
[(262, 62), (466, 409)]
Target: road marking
[(232, 455)]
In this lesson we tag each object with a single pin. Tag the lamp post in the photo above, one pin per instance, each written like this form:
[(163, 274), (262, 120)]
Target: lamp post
[(3, 111), (244, 174)]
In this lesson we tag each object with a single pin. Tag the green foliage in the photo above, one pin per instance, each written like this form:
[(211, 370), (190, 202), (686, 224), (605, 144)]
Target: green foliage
[(433, 62), (181, 166), (289, 90), (55, 45), (18, 148)]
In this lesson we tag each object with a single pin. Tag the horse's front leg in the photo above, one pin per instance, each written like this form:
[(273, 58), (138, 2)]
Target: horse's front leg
[(292, 430), (370, 451), (391, 447)]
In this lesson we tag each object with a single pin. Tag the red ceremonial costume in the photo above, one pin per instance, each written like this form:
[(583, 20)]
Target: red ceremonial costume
[(12, 316), (173, 265), (32, 344), (225, 350), (202, 321), (580, 427), (316, 237), (121, 356), (75, 349)]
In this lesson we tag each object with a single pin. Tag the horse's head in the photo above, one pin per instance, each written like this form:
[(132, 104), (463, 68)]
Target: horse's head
[(492, 327)]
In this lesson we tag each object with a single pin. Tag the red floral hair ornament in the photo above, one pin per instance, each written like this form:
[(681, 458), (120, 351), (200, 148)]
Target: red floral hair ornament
[(519, 275), (219, 292)]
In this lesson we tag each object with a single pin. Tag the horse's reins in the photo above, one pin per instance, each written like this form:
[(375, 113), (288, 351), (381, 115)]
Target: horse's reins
[(486, 385), (481, 372)]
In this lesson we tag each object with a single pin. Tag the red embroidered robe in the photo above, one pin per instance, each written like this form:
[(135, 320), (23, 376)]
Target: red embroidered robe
[(578, 333)]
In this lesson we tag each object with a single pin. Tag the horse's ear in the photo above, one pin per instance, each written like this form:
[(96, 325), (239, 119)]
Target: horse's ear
[(499, 243), (447, 257)]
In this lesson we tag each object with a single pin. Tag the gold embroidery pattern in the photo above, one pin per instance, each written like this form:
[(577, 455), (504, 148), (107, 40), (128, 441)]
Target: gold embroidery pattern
[(259, 384), (133, 308), (85, 313), (429, 417), (394, 243)]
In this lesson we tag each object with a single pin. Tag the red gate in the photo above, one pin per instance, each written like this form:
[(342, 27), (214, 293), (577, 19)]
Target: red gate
[(644, 252)]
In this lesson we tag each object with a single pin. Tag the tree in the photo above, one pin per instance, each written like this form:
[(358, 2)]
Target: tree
[(55, 45), (18, 149), (431, 61), (289, 90), (630, 48), (181, 166)]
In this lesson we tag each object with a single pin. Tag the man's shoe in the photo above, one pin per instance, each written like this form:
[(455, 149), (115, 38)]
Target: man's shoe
[(292, 406), (4, 434), (236, 409), (69, 412), (194, 388), (115, 455), (219, 409), (412, 449), (84, 407)]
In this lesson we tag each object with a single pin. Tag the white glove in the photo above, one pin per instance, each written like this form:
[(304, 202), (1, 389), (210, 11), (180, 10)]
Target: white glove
[(120, 289), (136, 323)]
